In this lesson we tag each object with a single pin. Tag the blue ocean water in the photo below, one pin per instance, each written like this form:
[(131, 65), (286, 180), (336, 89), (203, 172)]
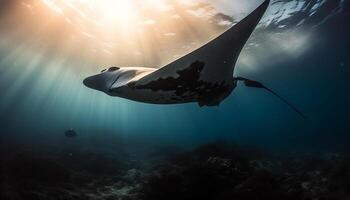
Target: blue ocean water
[(62, 140), (43, 95)]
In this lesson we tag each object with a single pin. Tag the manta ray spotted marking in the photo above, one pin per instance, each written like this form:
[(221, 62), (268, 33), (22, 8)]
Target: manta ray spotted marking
[(204, 76)]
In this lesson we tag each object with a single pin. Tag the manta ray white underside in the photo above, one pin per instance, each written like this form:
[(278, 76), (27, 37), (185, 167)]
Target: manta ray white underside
[(204, 75)]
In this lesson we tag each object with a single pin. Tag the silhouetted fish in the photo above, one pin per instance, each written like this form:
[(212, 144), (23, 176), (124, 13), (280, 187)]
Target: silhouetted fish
[(70, 133)]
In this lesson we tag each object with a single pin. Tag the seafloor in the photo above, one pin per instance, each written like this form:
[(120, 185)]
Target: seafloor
[(217, 171)]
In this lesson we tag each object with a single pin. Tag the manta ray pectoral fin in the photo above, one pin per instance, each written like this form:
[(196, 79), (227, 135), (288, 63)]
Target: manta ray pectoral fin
[(218, 56), (256, 84)]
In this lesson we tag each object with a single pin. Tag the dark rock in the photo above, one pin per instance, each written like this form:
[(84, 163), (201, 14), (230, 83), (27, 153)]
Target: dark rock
[(220, 172), (217, 171)]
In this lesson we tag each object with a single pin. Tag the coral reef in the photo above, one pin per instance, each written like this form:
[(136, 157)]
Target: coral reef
[(216, 171)]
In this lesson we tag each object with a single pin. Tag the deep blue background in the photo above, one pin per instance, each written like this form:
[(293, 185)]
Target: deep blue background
[(35, 107)]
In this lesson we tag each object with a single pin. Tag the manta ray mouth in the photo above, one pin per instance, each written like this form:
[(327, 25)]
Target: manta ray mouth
[(87, 82), (90, 82), (98, 82)]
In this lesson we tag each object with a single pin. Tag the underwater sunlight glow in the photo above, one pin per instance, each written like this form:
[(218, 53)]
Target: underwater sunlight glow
[(101, 11), (49, 46), (116, 32)]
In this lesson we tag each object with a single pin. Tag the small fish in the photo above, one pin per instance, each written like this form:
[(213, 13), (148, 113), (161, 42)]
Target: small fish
[(70, 133)]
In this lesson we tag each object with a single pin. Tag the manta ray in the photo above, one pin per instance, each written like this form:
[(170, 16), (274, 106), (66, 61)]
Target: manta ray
[(204, 76)]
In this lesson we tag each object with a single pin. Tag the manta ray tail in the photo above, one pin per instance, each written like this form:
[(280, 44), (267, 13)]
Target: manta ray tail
[(256, 84)]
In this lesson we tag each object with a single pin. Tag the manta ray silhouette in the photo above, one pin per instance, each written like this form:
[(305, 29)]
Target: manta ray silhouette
[(204, 76)]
